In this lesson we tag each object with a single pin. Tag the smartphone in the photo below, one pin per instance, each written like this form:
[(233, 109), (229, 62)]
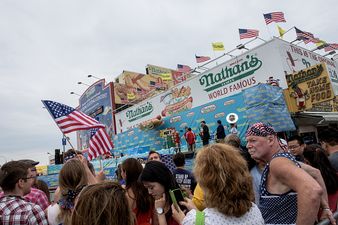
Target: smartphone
[(176, 196)]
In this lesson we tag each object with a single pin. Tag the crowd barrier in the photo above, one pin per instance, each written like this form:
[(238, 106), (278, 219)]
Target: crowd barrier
[(327, 222)]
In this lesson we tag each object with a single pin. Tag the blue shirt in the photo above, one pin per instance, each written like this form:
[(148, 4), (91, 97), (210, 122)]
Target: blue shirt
[(184, 178)]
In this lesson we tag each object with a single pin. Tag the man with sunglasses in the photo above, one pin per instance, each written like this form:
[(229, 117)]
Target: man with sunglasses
[(36, 196), (15, 181)]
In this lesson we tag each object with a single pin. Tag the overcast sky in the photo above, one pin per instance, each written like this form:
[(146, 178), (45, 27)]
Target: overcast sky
[(47, 46)]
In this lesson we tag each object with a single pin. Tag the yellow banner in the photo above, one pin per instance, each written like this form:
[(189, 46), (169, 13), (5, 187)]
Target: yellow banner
[(281, 31), (308, 87), (320, 43), (166, 76), (327, 106), (218, 46), (131, 96)]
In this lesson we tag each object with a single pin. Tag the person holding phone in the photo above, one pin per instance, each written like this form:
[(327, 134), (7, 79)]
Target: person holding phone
[(140, 202), (157, 178), (225, 180)]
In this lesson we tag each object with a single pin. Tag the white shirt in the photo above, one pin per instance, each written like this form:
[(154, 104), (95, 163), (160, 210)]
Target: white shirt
[(53, 212), (213, 216)]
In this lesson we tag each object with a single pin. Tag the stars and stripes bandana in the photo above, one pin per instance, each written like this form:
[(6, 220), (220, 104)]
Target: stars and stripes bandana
[(260, 129), (263, 130)]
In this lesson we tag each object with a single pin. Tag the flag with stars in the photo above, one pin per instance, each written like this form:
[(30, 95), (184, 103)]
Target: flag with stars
[(183, 68), (248, 33), (99, 143), (276, 17), (69, 119)]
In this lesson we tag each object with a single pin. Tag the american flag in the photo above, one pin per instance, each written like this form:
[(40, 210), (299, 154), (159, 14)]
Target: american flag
[(248, 33), (309, 37), (68, 119), (183, 68), (303, 35), (99, 143), (331, 47), (313, 40), (200, 59), (274, 17)]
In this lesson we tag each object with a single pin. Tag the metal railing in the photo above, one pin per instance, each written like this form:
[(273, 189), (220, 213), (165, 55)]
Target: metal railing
[(326, 221)]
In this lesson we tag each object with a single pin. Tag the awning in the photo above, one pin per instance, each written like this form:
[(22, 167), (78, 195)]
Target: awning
[(315, 118)]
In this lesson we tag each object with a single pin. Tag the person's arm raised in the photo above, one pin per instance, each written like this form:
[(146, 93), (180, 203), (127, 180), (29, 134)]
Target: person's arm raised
[(308, 190), (90, 176)]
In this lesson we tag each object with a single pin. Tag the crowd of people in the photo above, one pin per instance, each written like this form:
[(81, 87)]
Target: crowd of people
[(267, 182)]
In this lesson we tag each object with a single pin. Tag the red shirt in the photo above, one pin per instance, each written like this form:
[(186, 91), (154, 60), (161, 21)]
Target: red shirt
[(177, 138), (333, 201), (38, 197), (190, 136), (15, 210)]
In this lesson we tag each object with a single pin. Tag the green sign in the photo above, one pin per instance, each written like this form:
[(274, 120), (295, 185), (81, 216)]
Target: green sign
[(139, 112), (229, 75)]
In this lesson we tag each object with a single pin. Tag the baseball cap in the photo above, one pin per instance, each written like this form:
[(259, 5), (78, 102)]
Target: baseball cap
[(29, 161)]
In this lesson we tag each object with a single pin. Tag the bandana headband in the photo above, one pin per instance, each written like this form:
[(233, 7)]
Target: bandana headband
[(263, 130), (70, 156), (260, 129)]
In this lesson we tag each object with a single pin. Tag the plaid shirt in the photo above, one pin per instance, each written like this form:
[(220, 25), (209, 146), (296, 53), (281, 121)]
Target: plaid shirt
[(14, 210), (38, 197)]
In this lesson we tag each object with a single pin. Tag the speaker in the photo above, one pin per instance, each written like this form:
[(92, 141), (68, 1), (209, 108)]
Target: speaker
[(57, 156)]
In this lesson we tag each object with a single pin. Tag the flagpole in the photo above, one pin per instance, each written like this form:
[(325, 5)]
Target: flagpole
[(101, 168), (67, 138), (215, 57), (267, 27), (288, 30)]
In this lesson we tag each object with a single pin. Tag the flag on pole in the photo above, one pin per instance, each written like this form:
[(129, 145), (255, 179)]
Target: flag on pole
[(331, 47), (281, 31), (200, 59), (320, 43), (276, 17), (310, 36), (217, 46), (99, 143), (248, 33), (69, 119), (303, 35), (183, 68)]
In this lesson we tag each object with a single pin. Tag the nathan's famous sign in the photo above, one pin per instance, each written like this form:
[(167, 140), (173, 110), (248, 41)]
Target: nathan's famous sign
[(230, 74), (307, 87), (140, 112)]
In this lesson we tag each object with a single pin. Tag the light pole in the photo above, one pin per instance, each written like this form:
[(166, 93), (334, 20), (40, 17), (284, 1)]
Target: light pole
[(83, 83), (241, 46), (74, 93), (330, 53), (94, 77)]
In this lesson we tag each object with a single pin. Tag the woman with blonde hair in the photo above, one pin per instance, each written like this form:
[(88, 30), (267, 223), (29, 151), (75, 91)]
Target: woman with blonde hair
[(102, 204), (225, 179), (73, 177)]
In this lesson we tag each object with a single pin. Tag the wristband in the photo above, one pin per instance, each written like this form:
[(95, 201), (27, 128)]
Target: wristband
[(327, 209)]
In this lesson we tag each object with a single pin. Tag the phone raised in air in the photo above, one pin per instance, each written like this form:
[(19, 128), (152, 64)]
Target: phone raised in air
[(176, 196)]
